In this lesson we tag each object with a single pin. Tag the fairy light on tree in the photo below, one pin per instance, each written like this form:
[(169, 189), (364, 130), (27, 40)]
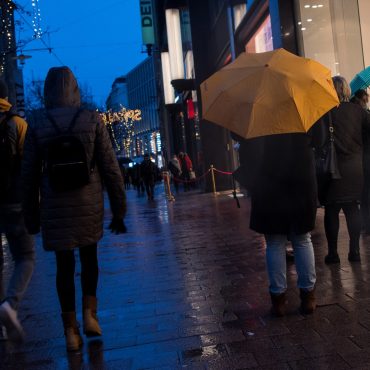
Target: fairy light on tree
[(122, 127), (7, 12), (8, 44), (36, 19)]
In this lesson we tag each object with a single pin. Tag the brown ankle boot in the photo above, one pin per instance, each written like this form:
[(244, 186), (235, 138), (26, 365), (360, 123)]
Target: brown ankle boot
[(91, 325), (308, 301), (278, 304), (71, 331)]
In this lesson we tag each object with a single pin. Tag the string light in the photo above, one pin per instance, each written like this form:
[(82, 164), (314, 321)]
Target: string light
[(36, 19), (121, 125), (7, 11), (124, 116)]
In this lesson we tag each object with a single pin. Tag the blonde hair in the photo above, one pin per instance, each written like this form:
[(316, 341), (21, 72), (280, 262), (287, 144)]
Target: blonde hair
[(342, 88)]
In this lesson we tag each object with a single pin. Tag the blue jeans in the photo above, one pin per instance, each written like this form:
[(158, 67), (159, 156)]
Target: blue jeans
[(276, 261), (21, 246)]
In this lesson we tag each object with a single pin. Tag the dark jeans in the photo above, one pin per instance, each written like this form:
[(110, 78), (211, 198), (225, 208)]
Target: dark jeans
[(66, 274), (149, 187), (22, 250), (353, 218)]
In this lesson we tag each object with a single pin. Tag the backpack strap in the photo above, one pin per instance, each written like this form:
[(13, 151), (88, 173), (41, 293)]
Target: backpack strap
[(71, 125)]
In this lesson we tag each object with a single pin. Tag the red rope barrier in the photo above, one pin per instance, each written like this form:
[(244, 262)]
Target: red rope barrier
[(191, 181), (223, 172)]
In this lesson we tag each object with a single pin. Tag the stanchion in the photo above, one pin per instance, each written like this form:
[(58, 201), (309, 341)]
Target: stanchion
[(213, 179), (167, 186)]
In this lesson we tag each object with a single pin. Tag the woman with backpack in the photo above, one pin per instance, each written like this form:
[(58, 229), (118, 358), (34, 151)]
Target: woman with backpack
[(67, 156)]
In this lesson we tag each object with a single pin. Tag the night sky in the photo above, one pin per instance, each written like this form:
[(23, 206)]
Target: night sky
[(98, 40)]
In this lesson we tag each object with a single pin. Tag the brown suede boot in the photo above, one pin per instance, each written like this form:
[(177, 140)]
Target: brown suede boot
[(91, 325), (71, 331), (308, 301), (278, 304)]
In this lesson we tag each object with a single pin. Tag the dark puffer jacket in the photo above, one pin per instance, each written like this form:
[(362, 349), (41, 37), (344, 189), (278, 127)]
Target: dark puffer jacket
[(74, 218)]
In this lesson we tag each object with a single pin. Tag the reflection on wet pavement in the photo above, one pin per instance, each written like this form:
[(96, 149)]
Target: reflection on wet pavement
[(186, 288)]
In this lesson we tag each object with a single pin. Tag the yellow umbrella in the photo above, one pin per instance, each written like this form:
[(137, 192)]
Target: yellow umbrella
[(268, 93)]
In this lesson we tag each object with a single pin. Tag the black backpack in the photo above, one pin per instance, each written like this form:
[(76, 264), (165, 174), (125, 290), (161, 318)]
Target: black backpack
[(9, 158), (66, 160)]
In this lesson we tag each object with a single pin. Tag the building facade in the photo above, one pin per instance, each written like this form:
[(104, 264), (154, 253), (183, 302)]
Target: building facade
[(138, 90), (142, 93), (197, 38), (118, 96)]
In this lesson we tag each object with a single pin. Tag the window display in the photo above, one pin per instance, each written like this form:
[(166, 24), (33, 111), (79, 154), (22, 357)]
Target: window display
[(262, 39)]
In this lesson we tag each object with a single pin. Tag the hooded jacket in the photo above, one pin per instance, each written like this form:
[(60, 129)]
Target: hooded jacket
[(16, 131), (69, 219)]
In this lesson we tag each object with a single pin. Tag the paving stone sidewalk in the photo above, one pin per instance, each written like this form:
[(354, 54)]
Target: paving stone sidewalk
[(186, 288)]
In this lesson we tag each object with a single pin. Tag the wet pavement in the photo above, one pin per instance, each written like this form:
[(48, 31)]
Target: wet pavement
[(186, 288)]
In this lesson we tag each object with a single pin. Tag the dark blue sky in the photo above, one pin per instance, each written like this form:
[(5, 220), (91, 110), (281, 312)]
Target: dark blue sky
[(98, 40)]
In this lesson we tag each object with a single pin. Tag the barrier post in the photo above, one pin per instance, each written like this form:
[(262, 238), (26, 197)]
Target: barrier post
[(213, 179)]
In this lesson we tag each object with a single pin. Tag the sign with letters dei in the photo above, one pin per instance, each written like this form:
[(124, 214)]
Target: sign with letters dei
[(147, 21)]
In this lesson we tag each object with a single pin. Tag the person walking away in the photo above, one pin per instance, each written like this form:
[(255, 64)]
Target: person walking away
[(175, 169), (12, 134), (68, 154), (137, 179), (361, 98), (186, 167), (279, 173), (127, 178), (149, 172), (349, 121)]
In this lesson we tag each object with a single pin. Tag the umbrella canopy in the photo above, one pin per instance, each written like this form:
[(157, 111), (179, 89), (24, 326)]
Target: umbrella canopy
[(268, 93), (361, 81)]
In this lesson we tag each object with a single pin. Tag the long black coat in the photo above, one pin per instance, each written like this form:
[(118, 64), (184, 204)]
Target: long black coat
[(350, 121), (281, 179)]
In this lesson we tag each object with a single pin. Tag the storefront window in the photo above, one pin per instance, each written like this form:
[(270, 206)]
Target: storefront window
[(262, 39), (364, 10), (330, 33)]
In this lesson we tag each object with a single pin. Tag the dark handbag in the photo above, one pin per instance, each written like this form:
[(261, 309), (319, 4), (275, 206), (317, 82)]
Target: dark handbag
[(326, 164), (326, 157)]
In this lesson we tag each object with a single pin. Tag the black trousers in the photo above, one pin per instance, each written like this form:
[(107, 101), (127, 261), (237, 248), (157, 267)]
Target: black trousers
[(149, 187), (66, 275), (331, 221)]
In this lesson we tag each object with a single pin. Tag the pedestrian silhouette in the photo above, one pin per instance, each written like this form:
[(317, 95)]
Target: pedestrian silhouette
[(12, 133), (70, 208)]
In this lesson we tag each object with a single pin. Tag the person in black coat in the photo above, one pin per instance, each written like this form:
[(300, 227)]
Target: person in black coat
[(279, 174), (349, 122), (149, 174), (361, 98)]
